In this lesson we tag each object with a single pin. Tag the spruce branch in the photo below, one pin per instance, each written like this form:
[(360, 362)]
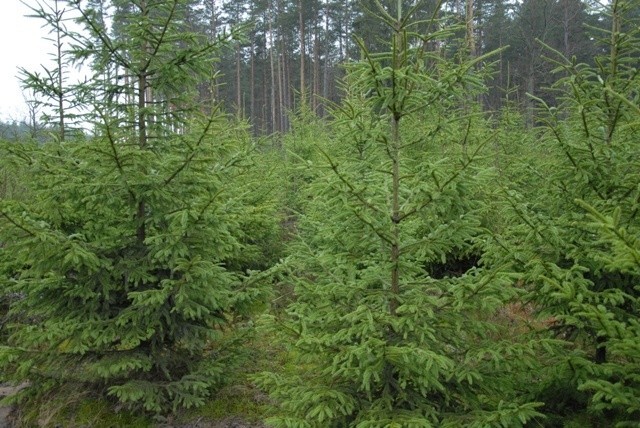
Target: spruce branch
[(203, 134), (16, 224)]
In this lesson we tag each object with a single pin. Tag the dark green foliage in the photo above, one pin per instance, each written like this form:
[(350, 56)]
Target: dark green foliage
[(130, 259), (389, 327), (578, 225), (444, 267), (100, 305)]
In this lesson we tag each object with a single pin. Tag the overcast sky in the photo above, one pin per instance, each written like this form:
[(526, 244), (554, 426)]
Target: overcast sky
[(22, 46)]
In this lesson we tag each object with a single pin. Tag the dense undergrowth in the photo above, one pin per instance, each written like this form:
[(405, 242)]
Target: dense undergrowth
[(412, 261)]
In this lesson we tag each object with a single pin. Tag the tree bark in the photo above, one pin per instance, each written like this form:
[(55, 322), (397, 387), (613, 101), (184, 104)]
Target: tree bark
[(238, 81), (325, 69), (273, 70), (252, 101), (142, 126), (60, 65), (316, 69), (214, 32), (470, 36), (302, 54)]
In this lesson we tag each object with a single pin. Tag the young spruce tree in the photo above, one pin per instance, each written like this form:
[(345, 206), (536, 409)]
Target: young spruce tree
[(127, 258), (576, 235), (392, 322)]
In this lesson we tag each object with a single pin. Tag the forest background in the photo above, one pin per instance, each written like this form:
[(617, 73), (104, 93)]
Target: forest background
[(326, 214), (293, 46)]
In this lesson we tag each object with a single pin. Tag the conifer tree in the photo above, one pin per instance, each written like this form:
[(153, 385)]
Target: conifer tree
[(53, 92), (575, 231), (392, 323), (128, 257)]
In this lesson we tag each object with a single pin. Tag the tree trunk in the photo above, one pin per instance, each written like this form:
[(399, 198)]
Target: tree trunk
[(273, 71), (282, 69), (394, 152), (238, 82), (60, 82), (565, 27), (302, 54), (613, 106), (325, 69), (470, 36), (214, 33), (142, 126), (316, 69), (252, 101)]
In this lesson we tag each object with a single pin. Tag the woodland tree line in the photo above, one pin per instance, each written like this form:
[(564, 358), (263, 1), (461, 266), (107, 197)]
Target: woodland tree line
[(377, 214), (294, 51)]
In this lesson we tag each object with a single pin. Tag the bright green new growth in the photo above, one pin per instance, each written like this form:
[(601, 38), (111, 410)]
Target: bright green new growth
[(575, 232), (392, 326), (423, 238), (126, 260)]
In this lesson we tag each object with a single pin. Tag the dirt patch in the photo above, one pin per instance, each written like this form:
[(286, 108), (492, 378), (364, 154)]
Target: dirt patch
[(232, 422), (6, 411)]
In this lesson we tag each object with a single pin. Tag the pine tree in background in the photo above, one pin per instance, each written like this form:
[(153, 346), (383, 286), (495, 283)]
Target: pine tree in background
[(51, 89), (393, 323), (575, 231), (129, 257)]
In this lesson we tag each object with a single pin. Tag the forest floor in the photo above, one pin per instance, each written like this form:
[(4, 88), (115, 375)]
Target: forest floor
[(220, 416), (8, 417), (240, 404), (5, 411), (230, 422)]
